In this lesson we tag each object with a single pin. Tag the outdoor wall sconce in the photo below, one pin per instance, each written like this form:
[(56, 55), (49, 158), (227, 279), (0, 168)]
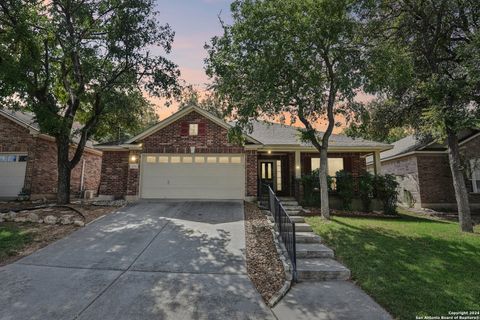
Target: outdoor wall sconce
[(133, 158), (269, 151)]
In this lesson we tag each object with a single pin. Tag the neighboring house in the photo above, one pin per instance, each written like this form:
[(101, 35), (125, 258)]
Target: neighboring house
[(423, 171), (188, 156), (28, 160)]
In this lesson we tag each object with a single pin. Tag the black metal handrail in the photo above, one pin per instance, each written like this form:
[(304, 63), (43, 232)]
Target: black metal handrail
[(283, 222)]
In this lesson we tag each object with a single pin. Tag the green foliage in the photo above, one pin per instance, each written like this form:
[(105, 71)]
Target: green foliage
[(386, 190), (311, 188), (209, 102), (12, 239), (366, 190), (345, 188)]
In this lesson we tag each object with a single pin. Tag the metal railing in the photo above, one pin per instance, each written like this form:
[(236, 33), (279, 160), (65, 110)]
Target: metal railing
[(284, 224)]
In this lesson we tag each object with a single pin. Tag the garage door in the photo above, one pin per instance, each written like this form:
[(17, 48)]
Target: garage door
[(12, 174), (173, 176)]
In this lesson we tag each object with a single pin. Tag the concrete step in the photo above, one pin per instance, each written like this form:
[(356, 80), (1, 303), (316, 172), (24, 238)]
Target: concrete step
[(297, 219), (313, 250), (292, 208), (307, 237), (303, 227), (294, 212), (287, 199), (321, 269), (289, 203)]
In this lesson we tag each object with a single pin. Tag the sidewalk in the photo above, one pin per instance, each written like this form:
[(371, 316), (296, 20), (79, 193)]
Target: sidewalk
[(328, 300)]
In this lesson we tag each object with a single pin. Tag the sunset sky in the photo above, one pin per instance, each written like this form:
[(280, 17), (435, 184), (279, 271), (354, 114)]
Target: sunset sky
[(195, 22)]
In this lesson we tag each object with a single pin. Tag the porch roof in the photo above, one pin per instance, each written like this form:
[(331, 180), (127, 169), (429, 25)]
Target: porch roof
[(280, 135)]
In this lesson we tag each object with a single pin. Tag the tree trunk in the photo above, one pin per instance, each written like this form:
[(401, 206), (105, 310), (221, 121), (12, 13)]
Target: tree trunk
[(64, 171), (324, 205), (461, 193)]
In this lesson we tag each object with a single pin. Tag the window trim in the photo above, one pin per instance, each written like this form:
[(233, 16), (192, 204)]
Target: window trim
[(475, 168)]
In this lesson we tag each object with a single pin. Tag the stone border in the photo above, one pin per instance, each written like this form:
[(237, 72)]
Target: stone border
[(283, 255)]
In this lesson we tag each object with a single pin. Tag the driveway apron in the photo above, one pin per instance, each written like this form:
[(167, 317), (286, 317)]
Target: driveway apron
[(156, 260)]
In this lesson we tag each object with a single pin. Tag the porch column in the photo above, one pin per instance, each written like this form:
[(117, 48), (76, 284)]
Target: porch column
[(298, 168), (376, 163)]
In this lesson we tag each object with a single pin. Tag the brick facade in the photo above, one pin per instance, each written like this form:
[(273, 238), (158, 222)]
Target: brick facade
[(41, 170), (251, 165), (114, 176), (428, 178)]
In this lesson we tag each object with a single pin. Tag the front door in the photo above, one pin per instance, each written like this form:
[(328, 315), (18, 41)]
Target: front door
[(267, 175)]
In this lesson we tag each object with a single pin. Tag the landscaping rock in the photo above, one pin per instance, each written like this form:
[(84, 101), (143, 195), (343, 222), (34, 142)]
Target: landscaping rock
[(32, 217), (9, 216), (79, 223), (50, 219), (1, 220), (20, 219), (66, 219), (113, 203)]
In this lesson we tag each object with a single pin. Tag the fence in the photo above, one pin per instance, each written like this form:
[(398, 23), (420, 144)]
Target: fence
[(283, 222)]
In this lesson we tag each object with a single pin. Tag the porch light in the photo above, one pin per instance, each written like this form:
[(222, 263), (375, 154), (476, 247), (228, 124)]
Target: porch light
[(269, 151), (297, 167), (133, 158)]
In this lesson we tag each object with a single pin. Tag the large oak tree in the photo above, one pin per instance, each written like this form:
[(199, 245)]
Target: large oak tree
[(289, 56), (425, 69), (69, 60)]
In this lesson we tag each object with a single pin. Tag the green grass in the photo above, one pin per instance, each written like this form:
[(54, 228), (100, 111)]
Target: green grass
[(12, 239), (411, 266)]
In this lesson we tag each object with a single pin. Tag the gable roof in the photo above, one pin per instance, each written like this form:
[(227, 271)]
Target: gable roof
[(27, 120), (270, 133), (413, 143), (178, 115)]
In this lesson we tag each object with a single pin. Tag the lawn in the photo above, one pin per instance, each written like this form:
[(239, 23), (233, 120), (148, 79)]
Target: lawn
[(12, 239), (412, 265)]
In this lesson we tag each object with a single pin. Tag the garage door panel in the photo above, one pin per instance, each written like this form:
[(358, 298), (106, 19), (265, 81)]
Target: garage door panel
[(12, 177), (193, 180)]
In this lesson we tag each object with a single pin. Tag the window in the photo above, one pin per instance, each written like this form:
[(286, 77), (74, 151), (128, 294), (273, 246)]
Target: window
[(193, 129), (267, 170), (174, 159), (475, 168), (334, 165), (187, 159), (199, 159), (236, 160), (162, 159), (222, 159), (22, 158), (279, 175), (8, 158), (211, 159), (151, 159)]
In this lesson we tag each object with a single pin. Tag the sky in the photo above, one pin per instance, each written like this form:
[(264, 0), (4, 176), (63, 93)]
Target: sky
[(194, 22)]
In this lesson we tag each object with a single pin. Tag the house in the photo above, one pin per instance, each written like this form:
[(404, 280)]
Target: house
[(188, 156), (423, 171), (28, 160)]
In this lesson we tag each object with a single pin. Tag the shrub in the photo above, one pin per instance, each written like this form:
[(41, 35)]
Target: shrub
[(386, 191), (311, 188), (366, 190), (345, 188)]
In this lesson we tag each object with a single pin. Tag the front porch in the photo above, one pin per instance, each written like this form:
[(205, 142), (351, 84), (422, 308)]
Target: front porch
[(282, 168)]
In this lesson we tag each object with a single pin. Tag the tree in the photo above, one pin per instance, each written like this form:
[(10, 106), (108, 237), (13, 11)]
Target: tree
[(69, 60), (370, 123), (425, 58), (209, 102), (289, 56)]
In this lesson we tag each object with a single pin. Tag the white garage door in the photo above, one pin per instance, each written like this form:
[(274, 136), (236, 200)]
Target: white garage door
[(12, 174), (176, 176)]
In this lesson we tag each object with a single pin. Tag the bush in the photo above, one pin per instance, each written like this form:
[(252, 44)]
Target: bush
[(311, 188), (345, 188), (386, 191), (366, 190)]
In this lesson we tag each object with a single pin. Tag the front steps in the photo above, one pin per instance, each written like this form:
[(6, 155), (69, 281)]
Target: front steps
[(315, 261)]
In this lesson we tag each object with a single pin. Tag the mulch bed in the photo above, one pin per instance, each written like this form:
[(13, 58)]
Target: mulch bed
[(264, 267), (44, 234)]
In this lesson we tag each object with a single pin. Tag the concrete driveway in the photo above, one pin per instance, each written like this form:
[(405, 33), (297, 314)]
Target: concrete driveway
[(164, 260)]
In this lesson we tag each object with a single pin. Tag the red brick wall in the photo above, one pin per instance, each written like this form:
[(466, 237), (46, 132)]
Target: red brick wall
[(435, 179), (170, 139), (114, 175), (41, 171), (251, 165)]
